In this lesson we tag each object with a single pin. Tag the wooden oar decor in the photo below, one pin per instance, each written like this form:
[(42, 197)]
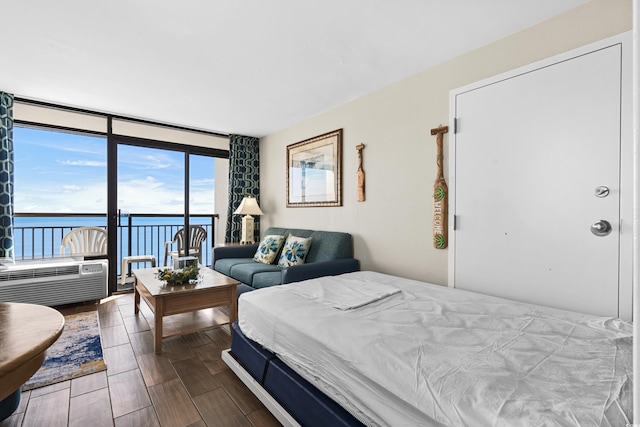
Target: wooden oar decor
[(361, 194), (440, 195)]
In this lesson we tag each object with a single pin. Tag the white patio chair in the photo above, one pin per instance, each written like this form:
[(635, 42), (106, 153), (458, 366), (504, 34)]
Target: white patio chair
[(197, 236), (85, 241)]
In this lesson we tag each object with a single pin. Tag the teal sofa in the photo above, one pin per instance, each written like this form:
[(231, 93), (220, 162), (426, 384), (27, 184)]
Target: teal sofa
[(331, 253)]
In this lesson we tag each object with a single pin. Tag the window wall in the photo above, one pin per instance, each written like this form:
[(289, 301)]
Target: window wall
[(114, 172)]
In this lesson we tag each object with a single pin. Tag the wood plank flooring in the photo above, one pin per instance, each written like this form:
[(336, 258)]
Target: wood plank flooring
[(187, 385)]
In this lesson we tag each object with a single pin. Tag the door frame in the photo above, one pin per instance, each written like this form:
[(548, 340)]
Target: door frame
[(625, 285), (113, 142)]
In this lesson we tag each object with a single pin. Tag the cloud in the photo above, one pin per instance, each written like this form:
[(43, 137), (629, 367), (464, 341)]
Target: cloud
[(149, 195), (157, 162), (138, 162), (206, 182), (149, 180), (71, 188), (147, 183), (91, 163), (61, 141)]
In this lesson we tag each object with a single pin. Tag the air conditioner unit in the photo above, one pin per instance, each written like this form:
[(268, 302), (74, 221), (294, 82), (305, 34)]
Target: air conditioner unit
[(55, 282)]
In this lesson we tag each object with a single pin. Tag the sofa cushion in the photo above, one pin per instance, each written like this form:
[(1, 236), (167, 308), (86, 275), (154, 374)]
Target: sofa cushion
[(266, 279), (294, 251), (327, 245), (268, 249), (286, 231), (224, 265), (330, 245), (245, 272)]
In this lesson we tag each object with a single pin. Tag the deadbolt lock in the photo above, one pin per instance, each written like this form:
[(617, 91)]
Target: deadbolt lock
[(601, 191)]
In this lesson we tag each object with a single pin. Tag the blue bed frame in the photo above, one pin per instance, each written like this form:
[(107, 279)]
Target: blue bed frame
[(302, 401)]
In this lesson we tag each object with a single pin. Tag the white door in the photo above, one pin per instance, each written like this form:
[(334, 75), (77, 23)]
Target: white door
[(537, 162)]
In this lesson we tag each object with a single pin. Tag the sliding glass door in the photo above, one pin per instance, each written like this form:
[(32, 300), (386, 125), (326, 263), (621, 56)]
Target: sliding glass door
[(153, 184), (202, 207), (150, 188)]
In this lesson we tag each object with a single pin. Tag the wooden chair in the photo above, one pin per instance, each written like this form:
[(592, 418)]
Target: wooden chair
[(197, 236), (85, 241)]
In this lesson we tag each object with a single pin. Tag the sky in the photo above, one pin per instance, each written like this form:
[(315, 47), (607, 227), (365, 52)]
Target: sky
[(65, 172)]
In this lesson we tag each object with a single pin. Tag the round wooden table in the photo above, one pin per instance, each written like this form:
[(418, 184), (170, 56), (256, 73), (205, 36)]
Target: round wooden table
[(26, 331)]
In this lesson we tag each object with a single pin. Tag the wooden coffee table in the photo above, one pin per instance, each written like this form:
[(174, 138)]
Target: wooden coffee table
[(212, 289)]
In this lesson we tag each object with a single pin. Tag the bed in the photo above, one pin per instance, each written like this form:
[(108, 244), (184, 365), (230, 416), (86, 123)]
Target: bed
[(389, 351)]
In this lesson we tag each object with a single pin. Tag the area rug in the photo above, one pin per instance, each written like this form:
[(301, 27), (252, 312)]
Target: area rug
[(77, 352)]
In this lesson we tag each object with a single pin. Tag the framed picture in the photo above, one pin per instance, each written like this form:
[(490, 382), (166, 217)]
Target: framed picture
[(313, 171)]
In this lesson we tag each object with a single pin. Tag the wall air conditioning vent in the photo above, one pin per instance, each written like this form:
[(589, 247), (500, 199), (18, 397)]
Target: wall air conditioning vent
[(35, 273), (54, 282)]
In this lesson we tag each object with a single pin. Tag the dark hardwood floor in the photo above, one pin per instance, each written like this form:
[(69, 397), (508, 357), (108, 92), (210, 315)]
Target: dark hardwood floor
[(187, 385)]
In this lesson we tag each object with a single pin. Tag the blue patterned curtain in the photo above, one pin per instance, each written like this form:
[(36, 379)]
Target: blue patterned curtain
[(244, 180), (6, 176)]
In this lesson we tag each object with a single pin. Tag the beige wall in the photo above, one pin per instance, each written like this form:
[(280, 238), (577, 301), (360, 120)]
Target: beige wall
[(392, 228)]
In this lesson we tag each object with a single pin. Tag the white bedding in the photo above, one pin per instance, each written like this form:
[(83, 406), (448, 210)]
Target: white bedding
[(431, 355), (344, 293)]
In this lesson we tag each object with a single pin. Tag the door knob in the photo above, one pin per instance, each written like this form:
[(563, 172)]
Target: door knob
[(601, 228)]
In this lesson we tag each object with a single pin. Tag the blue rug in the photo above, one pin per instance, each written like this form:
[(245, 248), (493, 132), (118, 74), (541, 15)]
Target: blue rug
[(77, 352)]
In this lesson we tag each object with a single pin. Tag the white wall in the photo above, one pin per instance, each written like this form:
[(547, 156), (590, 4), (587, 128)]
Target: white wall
[(392, 228)]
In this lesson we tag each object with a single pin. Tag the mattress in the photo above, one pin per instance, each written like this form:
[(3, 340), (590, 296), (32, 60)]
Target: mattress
[(394, 351)]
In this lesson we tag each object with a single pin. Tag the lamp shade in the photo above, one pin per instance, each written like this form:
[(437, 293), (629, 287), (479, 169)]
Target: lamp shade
[(248, 206)]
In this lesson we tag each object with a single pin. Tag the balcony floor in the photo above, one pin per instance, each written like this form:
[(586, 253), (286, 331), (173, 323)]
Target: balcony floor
[(127, 287)]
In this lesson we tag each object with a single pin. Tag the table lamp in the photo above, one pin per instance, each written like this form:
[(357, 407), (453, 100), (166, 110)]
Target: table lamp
[(248, 206)]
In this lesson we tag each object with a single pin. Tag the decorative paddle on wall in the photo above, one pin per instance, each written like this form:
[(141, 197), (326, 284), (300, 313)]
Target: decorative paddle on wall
[(361, 194), (440, 196)]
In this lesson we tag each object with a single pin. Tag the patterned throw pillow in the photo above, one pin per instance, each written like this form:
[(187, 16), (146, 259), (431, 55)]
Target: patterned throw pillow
[(295, 251), (268, 249)]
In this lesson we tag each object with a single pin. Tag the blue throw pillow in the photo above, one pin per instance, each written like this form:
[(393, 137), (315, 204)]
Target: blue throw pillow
[(268, 249), (295, 251)]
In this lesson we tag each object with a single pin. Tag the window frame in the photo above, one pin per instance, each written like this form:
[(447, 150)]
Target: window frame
[(113, 141)]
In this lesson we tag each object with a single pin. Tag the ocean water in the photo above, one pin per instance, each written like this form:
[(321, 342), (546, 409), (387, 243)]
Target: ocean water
[(40, 237)]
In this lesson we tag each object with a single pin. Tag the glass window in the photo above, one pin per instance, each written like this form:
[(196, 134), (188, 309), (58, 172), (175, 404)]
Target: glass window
[(59, 172), (60, 182)]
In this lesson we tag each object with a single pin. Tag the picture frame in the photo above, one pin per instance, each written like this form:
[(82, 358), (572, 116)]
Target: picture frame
[(314, 168)]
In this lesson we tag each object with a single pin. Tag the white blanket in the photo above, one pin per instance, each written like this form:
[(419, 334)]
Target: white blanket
[(431, 355), (342, 293)]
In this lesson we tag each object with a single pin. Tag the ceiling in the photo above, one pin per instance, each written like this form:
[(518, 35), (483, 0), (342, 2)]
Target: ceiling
[(247, 67)]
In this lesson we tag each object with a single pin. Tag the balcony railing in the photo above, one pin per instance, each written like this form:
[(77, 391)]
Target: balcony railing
[(39, 235)]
